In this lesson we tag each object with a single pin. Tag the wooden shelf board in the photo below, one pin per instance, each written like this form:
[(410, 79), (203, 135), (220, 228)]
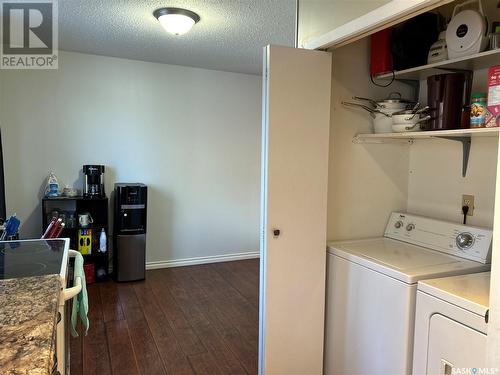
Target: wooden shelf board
[(77, 198), (480, 60), (481, 132)]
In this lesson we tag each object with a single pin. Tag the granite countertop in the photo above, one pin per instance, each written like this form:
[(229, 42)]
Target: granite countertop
[(28, 318)]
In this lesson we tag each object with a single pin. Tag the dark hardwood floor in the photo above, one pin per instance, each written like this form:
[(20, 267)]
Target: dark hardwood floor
[(187, 320)]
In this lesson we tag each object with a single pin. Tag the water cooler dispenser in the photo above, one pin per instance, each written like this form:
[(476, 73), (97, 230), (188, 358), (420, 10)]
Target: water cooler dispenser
[(129, 234)]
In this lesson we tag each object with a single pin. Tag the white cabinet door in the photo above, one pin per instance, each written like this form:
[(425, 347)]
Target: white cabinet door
[(296, 120)]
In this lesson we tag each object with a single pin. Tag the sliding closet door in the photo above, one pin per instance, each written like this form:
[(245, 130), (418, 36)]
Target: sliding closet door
[(296, 121)]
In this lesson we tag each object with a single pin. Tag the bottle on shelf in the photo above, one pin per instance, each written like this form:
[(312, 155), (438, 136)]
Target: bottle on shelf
[(102, 241)]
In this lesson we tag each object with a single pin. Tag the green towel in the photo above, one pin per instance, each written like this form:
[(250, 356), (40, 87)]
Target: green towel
[(80, 301)]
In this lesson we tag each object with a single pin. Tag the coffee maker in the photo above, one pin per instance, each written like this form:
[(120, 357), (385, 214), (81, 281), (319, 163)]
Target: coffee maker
[(94, 181)]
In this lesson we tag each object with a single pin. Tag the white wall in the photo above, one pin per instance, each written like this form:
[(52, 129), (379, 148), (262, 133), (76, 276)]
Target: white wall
[(192, 135), (366, 182), (436, 184)]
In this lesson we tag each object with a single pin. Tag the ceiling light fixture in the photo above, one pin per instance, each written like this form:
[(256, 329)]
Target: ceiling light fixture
[(176, 21)]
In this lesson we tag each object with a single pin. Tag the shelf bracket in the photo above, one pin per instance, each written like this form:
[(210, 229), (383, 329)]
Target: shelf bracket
[(466, 143)]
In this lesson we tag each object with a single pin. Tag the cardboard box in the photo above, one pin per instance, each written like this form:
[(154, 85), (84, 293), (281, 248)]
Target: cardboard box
[(85, 241), (493, 100)]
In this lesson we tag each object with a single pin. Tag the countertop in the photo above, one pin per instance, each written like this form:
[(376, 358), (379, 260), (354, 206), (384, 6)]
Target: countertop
[(471, 291), (28, 318)]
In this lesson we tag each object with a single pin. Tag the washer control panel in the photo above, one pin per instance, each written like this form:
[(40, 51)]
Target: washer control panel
[(465, 241)]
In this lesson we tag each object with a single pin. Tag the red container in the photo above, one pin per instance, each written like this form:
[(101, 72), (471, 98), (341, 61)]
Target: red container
[(380, 55), (89, 273)]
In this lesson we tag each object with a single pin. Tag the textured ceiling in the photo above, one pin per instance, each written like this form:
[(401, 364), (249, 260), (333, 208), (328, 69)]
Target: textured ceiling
[(229, 37)]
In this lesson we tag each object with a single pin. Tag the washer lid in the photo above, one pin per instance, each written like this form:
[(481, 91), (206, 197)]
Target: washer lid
[(405, 262), (471, 292)]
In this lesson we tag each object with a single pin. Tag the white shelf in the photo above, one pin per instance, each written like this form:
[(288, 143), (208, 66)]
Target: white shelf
[(463, 136), (408, 136), (473, 62)]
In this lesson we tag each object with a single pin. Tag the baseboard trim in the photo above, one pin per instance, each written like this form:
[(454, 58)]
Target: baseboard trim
[(201, 260)]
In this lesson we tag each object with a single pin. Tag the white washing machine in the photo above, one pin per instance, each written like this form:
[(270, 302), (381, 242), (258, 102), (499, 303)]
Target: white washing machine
[(372, 287), (450, 325)]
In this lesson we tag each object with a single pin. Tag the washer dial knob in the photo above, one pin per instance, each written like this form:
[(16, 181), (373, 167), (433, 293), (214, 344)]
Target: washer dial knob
[(464, 240), (410, 227), (398, 224)]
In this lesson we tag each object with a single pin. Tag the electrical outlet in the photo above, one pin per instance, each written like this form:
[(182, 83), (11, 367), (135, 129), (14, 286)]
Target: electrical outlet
[(468, 200)]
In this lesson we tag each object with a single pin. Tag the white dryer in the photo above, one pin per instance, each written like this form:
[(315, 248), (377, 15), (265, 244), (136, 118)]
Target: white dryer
[(450, 325), (372, 287)]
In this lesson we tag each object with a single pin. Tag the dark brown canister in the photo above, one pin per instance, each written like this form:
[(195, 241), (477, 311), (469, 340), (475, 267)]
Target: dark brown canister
[(445, 98)]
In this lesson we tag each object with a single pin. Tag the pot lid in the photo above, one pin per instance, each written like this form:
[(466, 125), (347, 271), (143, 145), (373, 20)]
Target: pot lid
[(393, 98), (393, 101)]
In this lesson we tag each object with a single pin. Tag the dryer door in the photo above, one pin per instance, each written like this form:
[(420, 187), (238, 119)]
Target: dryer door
[(454, 348)]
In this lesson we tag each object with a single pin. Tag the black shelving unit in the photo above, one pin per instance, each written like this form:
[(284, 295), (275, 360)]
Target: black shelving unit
[(67, 207)]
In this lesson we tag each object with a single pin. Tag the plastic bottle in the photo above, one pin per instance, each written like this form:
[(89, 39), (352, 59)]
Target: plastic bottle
[(52, 189), (102, 241)]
